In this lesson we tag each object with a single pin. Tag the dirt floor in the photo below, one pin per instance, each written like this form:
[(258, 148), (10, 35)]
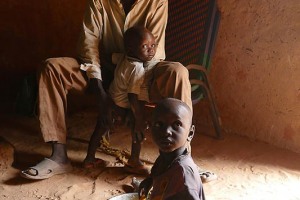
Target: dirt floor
[(248, 170)]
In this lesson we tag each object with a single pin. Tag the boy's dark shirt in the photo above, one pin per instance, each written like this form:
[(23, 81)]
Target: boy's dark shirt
[(180, 180)]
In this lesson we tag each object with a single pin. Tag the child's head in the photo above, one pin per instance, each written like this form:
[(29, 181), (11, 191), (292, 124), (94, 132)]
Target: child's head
[(172, 124), (140, 43)]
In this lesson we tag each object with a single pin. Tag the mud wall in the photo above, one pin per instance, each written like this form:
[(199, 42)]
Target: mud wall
[(30, 32), (256, 70)]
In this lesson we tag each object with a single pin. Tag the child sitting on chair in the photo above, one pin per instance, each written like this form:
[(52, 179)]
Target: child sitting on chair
[(129, 90), (174, 174)]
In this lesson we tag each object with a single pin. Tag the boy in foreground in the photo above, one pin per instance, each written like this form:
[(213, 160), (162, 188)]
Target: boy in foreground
[(174, 174)]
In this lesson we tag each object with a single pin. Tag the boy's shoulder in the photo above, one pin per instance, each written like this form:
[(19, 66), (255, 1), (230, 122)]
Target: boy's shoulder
[(126, 64), (185, 161)]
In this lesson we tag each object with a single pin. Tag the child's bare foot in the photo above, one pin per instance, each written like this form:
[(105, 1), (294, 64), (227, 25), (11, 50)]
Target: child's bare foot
[(95, 163)]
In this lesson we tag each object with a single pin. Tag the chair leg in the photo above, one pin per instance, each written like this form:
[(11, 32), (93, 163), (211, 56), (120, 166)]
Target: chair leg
[(208, 92), (212, 108)]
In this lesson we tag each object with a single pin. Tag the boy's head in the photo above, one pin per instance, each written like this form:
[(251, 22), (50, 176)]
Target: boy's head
[(140, 43), (172, 124)]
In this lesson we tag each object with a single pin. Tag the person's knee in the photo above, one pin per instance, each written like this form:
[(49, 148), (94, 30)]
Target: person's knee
[(50, 63), (46, 65), (178, 69)]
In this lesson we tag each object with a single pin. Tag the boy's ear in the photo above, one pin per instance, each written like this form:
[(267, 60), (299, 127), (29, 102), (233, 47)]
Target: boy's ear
[(191, 133)]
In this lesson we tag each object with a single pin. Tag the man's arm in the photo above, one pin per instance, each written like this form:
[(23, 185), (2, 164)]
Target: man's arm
[(104, 103), (157, 25), (90, 35), (89, 56)]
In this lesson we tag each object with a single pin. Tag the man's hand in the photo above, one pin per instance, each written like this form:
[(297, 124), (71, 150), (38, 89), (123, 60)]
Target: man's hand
[(104, 104)]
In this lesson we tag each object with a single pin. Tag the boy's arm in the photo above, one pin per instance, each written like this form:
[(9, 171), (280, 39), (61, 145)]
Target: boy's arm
[(145, 187), (137, 108)]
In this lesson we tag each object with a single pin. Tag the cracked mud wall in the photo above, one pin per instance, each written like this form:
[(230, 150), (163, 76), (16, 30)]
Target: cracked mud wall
[(256, 70)]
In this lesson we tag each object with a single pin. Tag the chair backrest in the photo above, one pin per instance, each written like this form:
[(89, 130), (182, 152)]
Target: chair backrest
[(191, 31)]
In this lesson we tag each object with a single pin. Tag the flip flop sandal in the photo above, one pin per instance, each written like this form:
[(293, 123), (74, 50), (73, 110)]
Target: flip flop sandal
[(46, 169), (141, 169), (207, 176), (95, 164)]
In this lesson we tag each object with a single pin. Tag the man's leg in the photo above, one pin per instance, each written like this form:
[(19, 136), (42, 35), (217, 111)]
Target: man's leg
[(171, 79), (56, 78)]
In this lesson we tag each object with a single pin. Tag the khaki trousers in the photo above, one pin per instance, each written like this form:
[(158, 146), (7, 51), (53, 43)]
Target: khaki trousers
[(59, 76)]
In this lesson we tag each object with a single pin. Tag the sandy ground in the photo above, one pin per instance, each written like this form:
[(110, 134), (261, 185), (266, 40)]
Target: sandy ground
[(246, 169)]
